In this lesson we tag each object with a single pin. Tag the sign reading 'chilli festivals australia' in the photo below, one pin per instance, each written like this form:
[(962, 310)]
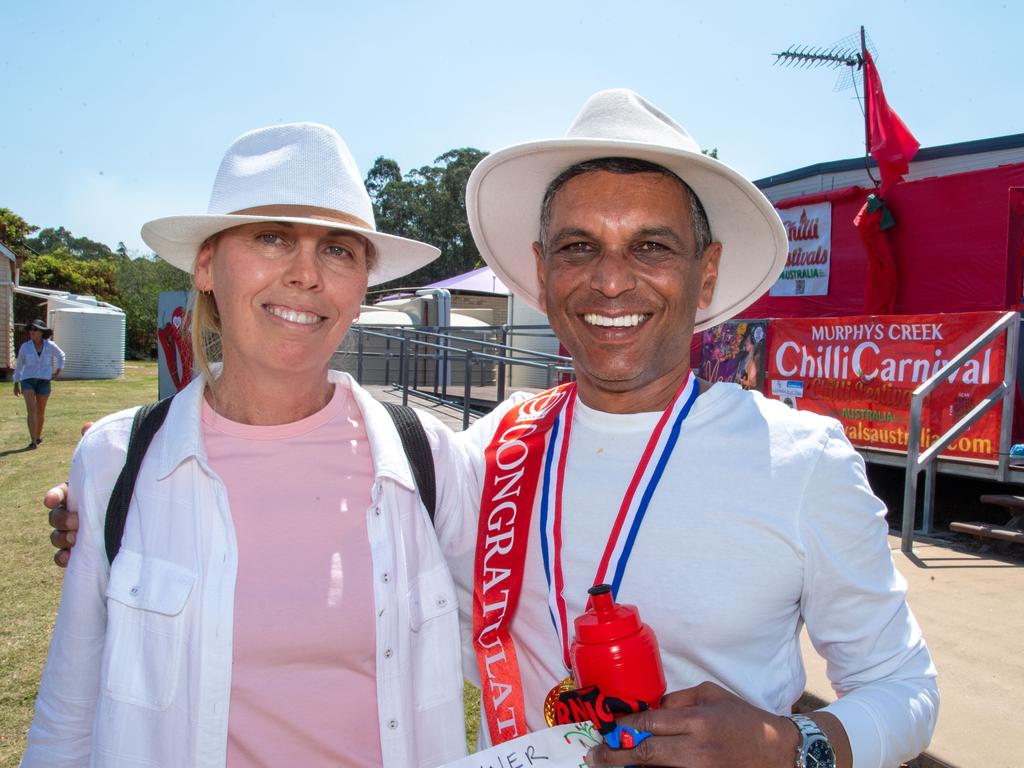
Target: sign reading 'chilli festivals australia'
[(809, 228), (863, 370)]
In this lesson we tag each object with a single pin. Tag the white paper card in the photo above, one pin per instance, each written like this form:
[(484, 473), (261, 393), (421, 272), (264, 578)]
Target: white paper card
[(563, 746)]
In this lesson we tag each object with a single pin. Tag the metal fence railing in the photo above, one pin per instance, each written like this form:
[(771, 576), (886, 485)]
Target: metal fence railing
[(918, 460), (443, 364)]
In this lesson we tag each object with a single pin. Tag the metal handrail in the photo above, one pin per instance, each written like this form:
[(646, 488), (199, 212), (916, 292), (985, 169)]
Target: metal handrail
[(917, 460), (442, 348), (437, 332), (484, 355)]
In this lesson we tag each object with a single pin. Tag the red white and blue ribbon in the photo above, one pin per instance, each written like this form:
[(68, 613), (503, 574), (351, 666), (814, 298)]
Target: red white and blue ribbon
[(632, 510)]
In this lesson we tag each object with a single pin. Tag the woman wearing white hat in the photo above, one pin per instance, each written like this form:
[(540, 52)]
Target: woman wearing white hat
[(39, 362), (279, 597)]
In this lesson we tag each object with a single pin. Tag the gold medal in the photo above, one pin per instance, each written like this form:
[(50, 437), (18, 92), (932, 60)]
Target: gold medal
[(551, 700)]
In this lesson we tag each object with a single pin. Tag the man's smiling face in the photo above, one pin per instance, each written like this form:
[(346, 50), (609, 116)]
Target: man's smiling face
[(621, 284)]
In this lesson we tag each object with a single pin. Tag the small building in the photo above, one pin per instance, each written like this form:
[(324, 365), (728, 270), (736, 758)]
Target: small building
[(957, 242), (9, 266), (944, 251)]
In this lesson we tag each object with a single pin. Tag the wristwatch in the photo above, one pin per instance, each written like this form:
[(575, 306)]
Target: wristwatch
[(814, 751)]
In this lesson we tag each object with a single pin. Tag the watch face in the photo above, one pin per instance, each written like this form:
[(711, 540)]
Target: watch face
[(820, 755)]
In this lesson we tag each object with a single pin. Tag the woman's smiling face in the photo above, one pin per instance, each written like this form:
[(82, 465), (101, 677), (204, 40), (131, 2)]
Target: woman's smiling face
[(286, 294)]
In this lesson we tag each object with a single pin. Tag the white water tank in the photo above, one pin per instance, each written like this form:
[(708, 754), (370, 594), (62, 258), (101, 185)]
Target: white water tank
[(92, 339), (536, 340)]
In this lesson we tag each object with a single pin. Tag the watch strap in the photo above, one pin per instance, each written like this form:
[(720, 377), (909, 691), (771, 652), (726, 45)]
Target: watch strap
[(809, 732)]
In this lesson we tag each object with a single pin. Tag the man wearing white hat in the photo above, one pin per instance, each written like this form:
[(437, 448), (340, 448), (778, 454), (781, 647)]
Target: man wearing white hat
[(728, 519)]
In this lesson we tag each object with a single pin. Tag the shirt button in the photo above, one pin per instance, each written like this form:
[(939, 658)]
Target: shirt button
[(392, 724), (385, 577), (388, 653), (442, 602), (134, 590), (376, 510)]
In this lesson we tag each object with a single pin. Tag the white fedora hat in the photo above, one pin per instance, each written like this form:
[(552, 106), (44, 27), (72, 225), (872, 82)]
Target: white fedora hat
[(301, 173), (505, 191)]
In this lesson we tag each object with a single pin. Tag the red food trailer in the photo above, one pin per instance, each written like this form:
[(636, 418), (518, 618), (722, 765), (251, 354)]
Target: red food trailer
[(948, 251)]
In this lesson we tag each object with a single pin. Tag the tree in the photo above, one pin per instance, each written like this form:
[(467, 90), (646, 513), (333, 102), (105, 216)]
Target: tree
[(398, 204), (78, 265), (140, 283), (450, 224), (428, 204), (50, 240), (60, 271), (14, 230)]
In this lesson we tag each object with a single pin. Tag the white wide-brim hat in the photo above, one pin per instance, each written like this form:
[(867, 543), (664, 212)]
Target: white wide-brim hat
[(505, 192), (301, 173)]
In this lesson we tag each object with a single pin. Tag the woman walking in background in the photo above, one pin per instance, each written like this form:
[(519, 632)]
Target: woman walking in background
[(39, 361)]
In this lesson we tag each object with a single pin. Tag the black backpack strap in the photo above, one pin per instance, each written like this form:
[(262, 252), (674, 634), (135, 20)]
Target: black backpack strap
[(145, 424), (417, 450)]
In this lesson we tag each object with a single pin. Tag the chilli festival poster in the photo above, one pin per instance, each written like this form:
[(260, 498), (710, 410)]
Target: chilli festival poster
[(809, 229), (863, 370)]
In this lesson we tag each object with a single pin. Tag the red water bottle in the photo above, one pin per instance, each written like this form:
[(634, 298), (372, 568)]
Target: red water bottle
[(616, 651)]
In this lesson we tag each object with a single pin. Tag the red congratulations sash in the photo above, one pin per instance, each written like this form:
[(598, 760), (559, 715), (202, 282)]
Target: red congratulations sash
[(514, 459)]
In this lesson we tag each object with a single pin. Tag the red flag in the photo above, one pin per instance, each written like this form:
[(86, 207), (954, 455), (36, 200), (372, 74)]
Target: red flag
[(882, 279), (889, 140)]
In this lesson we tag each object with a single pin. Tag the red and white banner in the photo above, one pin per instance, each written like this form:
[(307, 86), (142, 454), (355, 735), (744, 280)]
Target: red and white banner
[(863, 370), (514, 460), (809, 228)]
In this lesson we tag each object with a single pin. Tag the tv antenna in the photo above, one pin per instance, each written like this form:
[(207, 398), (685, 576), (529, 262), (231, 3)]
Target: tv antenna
[(848, 55)]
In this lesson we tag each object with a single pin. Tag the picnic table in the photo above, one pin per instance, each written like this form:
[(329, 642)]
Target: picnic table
[(1012, 531)]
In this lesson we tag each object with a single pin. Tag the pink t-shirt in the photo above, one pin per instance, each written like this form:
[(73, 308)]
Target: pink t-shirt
[(303, 680)]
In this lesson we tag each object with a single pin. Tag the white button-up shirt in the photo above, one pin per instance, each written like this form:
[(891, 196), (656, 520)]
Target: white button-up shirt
[(139, 670), (38, 365)]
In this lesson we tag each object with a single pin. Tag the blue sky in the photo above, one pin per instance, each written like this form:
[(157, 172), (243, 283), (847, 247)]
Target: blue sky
[(116, 112)]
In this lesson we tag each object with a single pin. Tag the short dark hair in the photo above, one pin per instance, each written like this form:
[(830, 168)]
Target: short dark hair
[(627, 165)]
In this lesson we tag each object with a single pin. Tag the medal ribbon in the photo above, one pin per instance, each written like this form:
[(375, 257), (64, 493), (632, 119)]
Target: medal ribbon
[(631, 513), (513, 467)]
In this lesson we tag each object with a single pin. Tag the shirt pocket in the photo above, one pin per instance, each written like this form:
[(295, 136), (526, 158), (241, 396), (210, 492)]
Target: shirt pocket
[(436, 653), (146, 641)]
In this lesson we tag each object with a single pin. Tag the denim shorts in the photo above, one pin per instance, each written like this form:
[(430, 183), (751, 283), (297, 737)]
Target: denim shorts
[(40, 386)]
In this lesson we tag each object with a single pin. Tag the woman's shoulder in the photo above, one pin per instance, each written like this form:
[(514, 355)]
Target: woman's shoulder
[(108, 434)]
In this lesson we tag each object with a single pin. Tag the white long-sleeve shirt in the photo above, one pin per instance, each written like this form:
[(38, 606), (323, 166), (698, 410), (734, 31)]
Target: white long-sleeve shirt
[(763, 521), (139, 669), (38, 365)]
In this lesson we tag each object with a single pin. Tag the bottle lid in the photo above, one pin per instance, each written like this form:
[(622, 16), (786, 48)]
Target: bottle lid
[(605, 620)]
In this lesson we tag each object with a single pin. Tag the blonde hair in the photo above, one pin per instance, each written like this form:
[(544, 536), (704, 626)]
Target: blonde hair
[(205, 327)]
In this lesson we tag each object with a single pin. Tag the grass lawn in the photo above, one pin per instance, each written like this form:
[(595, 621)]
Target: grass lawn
[(29, 580)]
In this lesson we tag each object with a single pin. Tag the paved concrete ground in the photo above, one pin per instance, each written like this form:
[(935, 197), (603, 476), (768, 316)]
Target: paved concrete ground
[(450, 415), (971, 609)]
